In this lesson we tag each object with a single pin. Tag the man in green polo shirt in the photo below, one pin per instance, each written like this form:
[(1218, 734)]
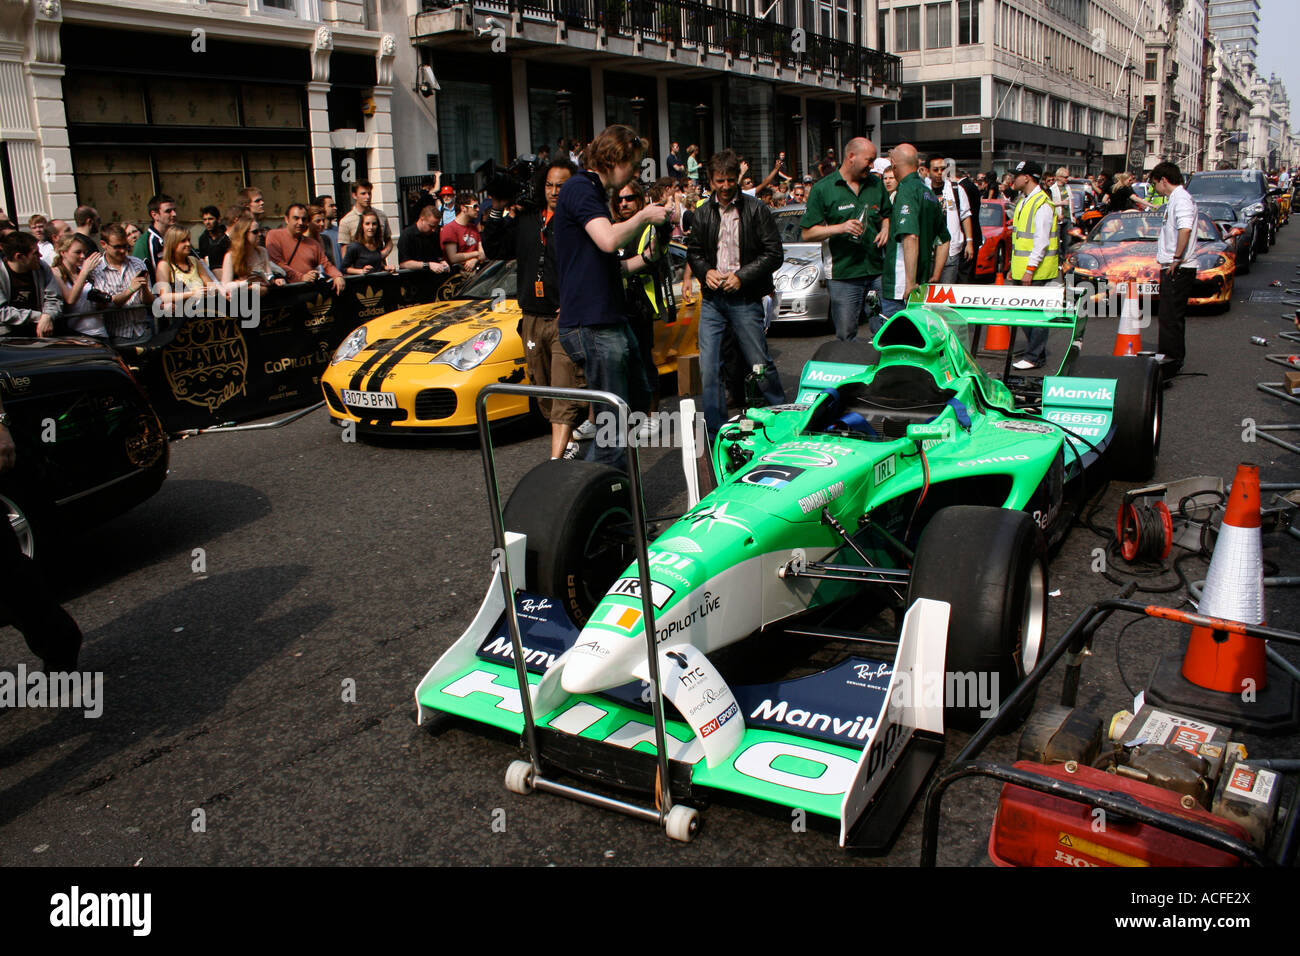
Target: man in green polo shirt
[(916, 225), (848, 211)]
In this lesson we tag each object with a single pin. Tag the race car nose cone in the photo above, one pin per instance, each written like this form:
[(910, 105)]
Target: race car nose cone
[(588, 672)]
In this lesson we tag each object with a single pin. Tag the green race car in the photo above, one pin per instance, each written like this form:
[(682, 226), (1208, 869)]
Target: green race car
[(903, 480)]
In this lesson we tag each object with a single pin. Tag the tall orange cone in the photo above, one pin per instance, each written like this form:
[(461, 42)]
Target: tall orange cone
[(1234, 589), (997, 338), (1224, 677), (1128, 338)]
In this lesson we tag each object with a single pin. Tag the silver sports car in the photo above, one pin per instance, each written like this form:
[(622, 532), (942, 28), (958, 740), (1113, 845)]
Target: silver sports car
[(801, 280)]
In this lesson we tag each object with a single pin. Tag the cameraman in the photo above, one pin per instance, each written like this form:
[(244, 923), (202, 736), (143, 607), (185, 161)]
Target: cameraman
[(529, 236)]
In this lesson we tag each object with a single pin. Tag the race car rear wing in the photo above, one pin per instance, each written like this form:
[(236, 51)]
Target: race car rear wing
[(1001, 304)]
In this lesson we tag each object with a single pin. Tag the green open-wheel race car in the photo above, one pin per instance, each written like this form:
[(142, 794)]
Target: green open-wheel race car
[(904, 482)]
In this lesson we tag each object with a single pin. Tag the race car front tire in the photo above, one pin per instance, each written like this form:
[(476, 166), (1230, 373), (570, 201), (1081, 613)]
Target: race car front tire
[(1139, 411), (990, 565), (578, 519)]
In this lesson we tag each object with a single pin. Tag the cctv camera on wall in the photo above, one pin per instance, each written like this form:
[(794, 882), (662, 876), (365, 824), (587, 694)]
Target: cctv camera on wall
[(428, 82)]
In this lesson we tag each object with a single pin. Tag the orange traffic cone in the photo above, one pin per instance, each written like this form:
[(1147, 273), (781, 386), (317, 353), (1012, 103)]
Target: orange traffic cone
[(997, 338), (1128, 337), (1223, 677), (1234, 589)]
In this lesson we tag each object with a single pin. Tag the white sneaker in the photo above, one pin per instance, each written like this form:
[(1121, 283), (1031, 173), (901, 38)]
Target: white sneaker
[(571, 451), (647, 431), (585, 431), (1024, 364)]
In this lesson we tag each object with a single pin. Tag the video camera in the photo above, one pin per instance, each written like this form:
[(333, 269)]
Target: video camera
[(517, 184)]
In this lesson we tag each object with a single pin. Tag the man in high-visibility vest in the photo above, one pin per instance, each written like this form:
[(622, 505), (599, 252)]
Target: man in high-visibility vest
[(1035, 247)]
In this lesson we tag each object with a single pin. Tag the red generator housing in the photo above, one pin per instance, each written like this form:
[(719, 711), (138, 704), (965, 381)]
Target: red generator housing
[(1038, 829)]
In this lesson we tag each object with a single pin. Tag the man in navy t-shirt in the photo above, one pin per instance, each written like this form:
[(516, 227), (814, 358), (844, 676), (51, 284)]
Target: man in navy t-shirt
[(593, 321)]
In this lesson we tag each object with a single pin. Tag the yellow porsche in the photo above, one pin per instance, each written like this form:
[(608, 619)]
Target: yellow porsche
[(420, 369)]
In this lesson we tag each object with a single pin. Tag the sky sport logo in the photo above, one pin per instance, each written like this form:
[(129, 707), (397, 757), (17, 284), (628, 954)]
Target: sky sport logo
[(69, 690), (75, 909)]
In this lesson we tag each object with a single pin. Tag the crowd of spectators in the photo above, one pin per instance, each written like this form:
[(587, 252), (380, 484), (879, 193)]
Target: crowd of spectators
[(593, 292), (85, 268)]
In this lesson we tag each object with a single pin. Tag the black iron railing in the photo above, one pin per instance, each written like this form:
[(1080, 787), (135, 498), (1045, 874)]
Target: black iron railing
[(693, 24)]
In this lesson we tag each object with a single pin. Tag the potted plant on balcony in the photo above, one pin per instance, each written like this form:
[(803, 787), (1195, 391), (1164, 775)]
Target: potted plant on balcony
[(612, 14), (737, 40), (667, 22)]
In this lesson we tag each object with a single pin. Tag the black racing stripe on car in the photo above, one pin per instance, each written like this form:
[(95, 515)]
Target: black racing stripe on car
[(394, 356), (364, 368), (433, 329)]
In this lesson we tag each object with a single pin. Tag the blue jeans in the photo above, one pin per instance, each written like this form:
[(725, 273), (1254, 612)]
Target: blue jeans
[(610, 358), (1036, 346), (717, 311), (887, 309), (848, 303)]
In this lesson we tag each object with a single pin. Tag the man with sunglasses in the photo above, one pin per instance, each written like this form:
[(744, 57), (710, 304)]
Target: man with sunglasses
[(460, 238)]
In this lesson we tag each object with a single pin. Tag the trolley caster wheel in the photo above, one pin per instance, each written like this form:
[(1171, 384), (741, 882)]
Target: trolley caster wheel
[(682, 822), (519, 777)]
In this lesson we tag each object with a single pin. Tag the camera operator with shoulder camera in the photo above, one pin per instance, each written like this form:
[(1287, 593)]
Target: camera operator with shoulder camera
[(520, 228)]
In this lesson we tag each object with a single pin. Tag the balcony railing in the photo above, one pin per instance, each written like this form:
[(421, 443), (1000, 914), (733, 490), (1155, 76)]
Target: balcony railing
[(691, 24)]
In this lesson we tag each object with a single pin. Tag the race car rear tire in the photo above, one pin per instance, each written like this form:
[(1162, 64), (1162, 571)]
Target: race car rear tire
[(990, 565), (857, 352), (578, 518), (1139, 411)]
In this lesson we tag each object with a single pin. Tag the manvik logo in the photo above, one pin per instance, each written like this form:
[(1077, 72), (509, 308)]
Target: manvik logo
[(943, 294), (1098, 394)]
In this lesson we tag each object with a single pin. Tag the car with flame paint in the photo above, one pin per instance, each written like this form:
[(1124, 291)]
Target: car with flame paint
[(420, 369), (1122, 248), (903, 484)]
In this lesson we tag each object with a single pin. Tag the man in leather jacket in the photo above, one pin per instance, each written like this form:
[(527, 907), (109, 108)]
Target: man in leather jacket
[(733, 249)]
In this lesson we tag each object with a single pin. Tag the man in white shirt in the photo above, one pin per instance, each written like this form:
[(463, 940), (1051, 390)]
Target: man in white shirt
[(1176, 255), (37, 226), (956, 209), (1063, 199)]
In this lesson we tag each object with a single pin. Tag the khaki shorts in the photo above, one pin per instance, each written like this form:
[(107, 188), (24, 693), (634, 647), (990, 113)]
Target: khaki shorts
[(549, 364)]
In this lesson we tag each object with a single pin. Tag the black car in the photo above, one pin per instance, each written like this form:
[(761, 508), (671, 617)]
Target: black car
[(1239, 234), (1247, 191), (88, 443)]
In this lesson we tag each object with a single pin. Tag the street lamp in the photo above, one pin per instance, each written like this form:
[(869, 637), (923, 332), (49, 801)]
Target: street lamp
[(638, 104), (562, 100), (837, 124), (702, 114)]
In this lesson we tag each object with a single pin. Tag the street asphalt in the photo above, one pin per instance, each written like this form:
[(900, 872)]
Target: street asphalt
[(262, 622)]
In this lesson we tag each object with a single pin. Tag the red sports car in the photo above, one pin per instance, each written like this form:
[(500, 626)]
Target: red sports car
[(995, 255)]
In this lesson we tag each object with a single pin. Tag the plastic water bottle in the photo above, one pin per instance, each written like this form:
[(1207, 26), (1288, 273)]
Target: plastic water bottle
[(1258, 340)]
